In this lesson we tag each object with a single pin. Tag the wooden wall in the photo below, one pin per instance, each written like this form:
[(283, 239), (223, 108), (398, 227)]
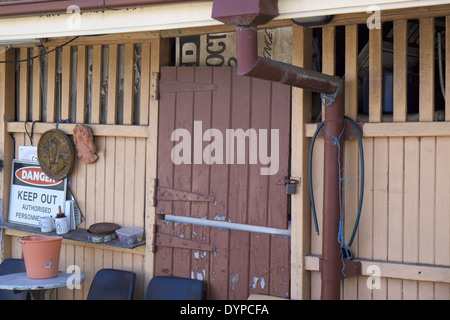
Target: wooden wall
[(404, 227), (405, 221), (108, 87)]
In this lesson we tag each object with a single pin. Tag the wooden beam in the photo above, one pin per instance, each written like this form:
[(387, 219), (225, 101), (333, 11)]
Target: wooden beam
[(104, 130), (391, 129), (395, 270)]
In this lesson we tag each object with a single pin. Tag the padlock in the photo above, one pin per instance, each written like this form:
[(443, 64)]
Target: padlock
[(291, 186)]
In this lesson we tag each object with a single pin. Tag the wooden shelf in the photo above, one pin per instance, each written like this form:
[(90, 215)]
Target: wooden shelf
[(78, 237)]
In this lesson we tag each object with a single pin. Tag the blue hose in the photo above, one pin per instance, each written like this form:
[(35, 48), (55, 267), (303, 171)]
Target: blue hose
[(311, 191)]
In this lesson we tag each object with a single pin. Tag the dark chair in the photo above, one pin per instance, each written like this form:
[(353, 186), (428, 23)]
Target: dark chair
[(13, 266), (112, 284), (173, 288)]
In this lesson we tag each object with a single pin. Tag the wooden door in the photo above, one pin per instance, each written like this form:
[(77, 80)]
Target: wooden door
[(205, 174)]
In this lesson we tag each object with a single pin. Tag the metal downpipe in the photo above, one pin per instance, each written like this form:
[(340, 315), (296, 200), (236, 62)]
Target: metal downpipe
[(331, 262), (252, 65)]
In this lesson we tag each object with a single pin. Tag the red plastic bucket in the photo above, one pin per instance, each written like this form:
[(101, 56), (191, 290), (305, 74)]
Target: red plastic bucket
[(41, 255)]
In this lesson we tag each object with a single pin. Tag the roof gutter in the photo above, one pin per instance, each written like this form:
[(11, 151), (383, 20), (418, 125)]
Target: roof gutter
[(34, 7)]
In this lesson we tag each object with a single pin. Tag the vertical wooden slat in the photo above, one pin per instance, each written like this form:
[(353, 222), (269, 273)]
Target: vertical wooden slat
[(128, 91), (380, 209), (351, 152), (442, 218), (145, 84), (81, 85), (328, 54), (426, 73), (96, 84), (159, 56), (238, 199), (200, 171), (100, 175), (181, 256), (427, 153), (51, 85), (365, 228), (111, 116), (7, 105), (400, 70), (36, 92), (259, 260), (220, 119), (66, 83), (219, 269), (375, 75), (164, 262), (395, 211), (300, 203), (260, 108), (279, 266), (447, 68), (139, 180), (184, 119), (396, 156), (427, 209), (279, 120), (239, 173), (411, 210), (239, 261), (24, 85), (129, 192)]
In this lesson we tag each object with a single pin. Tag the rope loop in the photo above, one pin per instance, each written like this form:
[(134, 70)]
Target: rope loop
[(329, 99)]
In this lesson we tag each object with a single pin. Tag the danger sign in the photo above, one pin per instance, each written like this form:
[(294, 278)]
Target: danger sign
[(34, 194)]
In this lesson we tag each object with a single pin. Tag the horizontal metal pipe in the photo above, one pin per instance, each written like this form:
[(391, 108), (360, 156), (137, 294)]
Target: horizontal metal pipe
[(252, 65), (227, 225)]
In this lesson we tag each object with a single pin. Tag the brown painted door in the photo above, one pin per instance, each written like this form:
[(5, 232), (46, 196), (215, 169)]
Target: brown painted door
[(205, 113)]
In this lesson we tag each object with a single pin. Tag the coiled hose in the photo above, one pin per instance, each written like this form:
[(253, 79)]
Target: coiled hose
[(311, 191)]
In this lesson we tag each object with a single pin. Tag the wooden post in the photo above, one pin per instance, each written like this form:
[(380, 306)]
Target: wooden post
[(7, 106), (300, 206), (159, 49)]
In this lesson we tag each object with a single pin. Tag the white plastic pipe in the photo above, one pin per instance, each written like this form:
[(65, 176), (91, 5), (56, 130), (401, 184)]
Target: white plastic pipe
[(228, 225)]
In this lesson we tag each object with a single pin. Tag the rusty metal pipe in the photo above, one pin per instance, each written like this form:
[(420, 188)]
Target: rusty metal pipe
[(331, 263), (252, 65)]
